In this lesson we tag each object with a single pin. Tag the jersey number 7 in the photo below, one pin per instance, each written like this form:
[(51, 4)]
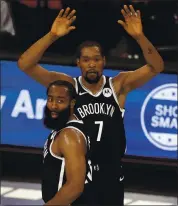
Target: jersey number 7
[(100, 130)]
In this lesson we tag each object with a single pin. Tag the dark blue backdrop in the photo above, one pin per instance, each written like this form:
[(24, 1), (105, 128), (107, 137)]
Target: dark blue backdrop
[(150, 117)]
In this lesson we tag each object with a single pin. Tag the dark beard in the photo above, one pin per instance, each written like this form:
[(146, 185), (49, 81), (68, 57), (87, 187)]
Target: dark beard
[(92, 81), (56, 123)]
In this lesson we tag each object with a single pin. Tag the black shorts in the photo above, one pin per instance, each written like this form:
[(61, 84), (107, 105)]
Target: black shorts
[(111, 194), (109, 189), (103, 194)]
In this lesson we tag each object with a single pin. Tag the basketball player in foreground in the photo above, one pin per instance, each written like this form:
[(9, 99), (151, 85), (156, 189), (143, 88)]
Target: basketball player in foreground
[(100, 100), (66, 151)]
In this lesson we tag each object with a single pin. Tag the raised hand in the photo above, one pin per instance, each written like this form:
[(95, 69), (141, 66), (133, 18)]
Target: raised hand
[(132, 24), (62, 24)]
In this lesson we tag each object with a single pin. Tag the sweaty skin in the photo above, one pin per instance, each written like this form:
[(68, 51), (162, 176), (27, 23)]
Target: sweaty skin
[(71, 145)]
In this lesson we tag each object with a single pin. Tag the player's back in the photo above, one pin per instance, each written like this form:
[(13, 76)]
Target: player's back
[(54, 177)]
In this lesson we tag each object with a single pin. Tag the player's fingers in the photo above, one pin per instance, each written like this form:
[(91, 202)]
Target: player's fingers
[(127, 10), (72, 19), (121, 23), (60, 13), (124, 13), (138, 14), (71, 28), (132, 9), (66, 12), (71, 14)]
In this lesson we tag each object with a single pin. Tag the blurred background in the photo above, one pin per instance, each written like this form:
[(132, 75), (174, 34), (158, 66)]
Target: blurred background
[(151, 156)]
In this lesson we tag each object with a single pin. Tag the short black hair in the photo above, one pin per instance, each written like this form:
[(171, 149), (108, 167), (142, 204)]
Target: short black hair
[(71, 88), (86, 44)]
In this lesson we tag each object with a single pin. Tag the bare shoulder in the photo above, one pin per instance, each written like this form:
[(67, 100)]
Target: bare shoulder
[(71, 137)]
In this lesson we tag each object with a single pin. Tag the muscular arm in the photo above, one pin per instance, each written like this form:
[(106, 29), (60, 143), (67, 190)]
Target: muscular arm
[(72, 146), (137, 78), (152, 57), (28, 62)]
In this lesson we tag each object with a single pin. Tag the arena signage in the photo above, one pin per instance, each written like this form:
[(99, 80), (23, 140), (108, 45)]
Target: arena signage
[(150, 116)]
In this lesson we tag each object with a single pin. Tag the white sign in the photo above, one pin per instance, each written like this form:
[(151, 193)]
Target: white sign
[(159, 117)]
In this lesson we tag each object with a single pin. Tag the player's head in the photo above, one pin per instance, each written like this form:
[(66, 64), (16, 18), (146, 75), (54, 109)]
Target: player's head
[(91, 60), (60, 103)]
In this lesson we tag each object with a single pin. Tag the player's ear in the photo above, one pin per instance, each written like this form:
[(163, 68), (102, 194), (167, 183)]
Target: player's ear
[(72, 104), (104, 59), (78, 62)]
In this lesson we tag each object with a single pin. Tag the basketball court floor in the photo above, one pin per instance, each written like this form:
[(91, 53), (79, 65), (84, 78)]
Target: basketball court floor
[(25, 193)]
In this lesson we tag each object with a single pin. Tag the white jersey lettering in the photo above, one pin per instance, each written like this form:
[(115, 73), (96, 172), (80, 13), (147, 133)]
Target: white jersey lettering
[(97, 108)]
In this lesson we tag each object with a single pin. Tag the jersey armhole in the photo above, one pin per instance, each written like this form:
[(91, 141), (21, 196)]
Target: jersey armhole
[(54, 155), (115, 96)]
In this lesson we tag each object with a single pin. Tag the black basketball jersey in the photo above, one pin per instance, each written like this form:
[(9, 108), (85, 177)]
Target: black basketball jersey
[(53, 176), (103, 120)]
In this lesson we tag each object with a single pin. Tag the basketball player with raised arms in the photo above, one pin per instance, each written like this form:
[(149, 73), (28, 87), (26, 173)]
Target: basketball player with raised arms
[(100, 100), (66, 175)]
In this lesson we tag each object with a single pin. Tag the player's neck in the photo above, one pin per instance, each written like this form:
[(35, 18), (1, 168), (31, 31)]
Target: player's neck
[(72, 117), (94, 88)]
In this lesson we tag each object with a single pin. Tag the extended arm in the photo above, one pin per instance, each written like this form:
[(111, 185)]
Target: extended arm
[(28, 61), (154, 61)]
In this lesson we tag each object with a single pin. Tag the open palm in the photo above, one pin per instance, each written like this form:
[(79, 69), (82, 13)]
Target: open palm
[(62, 24), (132, 24)]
